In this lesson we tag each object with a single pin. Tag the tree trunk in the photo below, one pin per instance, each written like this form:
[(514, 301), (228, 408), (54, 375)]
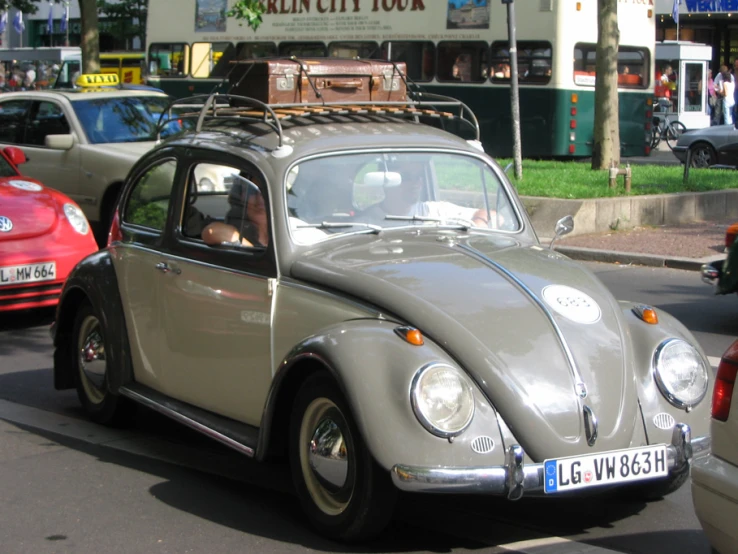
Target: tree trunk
[(606, 149), (90, 36)]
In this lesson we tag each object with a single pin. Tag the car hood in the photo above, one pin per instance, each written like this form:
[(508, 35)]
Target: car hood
[(717, 131), (532, 327), (29, 205)]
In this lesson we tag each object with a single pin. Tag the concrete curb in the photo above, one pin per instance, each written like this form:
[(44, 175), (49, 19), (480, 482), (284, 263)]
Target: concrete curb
[(633, 258)]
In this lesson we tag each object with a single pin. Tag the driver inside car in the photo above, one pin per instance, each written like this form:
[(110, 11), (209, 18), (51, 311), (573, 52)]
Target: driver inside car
[(404, 200)]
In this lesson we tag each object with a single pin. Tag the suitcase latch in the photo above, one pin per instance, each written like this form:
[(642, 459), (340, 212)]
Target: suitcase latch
[(287, 82), (390, 82)]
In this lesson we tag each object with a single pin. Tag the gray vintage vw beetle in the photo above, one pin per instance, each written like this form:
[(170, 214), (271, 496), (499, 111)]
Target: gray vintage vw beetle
[(362, 293)]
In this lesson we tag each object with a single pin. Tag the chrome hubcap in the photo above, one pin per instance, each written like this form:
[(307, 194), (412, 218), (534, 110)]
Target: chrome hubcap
[(91, 359), (325, 457), (701, 158)]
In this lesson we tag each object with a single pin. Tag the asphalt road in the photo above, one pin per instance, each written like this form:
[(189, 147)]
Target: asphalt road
[(71, 486)]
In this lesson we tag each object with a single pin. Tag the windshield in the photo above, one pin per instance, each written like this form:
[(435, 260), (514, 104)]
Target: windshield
[(123, 118), (371, 192), (6, 170)]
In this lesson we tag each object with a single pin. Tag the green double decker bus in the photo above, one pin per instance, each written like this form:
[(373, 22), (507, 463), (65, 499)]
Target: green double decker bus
[(457, 48)]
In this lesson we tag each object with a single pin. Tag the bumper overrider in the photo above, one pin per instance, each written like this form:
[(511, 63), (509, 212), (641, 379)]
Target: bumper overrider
[(515, 478)]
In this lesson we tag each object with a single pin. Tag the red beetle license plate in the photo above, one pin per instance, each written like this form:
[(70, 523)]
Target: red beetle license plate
[(30, 273)]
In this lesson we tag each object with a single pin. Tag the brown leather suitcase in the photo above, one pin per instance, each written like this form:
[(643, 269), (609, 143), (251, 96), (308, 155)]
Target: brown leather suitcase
[(316, 80)]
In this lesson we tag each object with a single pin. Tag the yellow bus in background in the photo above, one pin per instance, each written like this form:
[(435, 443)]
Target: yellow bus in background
[(129, 66)]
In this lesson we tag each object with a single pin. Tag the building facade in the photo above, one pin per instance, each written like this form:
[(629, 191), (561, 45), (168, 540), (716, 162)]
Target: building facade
[(712, 22)]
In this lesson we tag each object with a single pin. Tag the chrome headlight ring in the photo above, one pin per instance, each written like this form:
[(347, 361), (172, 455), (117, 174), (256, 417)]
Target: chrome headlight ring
[(680, 373), (442, 397)]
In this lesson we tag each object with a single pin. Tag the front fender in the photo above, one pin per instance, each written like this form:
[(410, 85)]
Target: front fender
[(374, 367), (645, 339), (93, 280)]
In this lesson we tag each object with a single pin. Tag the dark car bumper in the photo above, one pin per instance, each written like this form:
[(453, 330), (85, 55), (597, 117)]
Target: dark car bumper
[(681, 153), (516, 478)]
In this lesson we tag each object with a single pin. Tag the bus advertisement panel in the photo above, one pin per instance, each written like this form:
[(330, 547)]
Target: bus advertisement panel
[(458, 48)]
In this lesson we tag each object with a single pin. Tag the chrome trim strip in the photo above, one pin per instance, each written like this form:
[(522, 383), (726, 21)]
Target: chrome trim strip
[(496, 480), (191, 423), (579, 382)]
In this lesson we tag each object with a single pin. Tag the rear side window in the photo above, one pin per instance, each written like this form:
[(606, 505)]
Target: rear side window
[(534, 62), (169, 60), (48, 119), (417, 55), (462, 62), (13, 115), (148, 202)]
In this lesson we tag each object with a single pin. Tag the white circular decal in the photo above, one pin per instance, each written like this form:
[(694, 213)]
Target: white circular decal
[(25, 185), (572, 304)]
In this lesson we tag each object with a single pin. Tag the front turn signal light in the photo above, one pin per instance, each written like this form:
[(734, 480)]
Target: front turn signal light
[(647, 314), (410, 335)]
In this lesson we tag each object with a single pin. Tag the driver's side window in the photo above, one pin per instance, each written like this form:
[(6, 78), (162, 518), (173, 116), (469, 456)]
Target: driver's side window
[(225, 205), (148, 202)]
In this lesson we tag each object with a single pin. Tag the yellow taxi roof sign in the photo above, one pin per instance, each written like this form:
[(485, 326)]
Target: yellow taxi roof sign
[(97, 79)]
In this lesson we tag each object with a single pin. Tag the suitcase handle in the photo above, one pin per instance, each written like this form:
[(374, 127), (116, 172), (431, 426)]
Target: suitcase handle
[(342, 84)]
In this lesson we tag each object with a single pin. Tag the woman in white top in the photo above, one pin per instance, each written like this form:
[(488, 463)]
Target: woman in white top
[(727, 88)]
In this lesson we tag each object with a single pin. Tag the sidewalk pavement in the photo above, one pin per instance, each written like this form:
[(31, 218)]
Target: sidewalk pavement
[(633, 258)]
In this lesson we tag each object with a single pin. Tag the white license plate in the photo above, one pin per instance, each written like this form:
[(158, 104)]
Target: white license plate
[(31, 273), (605, 468)]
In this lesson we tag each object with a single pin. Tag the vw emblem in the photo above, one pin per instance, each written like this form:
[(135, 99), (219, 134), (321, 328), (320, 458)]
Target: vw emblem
[(5, 224)]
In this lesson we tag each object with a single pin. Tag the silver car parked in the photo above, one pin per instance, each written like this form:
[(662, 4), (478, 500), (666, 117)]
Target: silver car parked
[(365, 296)]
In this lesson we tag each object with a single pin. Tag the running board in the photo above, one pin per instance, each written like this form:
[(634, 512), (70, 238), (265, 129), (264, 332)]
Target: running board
[(239, 436)]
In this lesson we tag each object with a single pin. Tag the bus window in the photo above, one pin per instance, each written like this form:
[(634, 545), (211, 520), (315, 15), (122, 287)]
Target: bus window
[(464, 62), (302, 49), (417, 55), (353, 50), (633, 64), (169, 60), (534, 62), (207, 55)]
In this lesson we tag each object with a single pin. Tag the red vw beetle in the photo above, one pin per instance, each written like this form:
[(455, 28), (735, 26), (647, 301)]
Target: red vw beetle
[(43, 234)]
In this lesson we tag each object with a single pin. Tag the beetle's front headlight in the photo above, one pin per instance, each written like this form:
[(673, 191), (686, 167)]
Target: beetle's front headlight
[(443, 399), (680, 373), (76, 218)]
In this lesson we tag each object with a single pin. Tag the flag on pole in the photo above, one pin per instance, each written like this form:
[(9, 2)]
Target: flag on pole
[(50, 22), (675, 11), (3, 22), (18, 24), (65, 18)]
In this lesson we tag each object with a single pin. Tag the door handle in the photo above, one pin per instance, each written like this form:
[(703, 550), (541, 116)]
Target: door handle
[(165, 268)]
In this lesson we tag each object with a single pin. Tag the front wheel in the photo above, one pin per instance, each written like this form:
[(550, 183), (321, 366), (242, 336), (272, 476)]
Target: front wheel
[(91, 370), (343, 491), (674, 130), (702, 155)]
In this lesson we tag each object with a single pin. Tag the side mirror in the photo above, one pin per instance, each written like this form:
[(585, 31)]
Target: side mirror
[(16, 155), (59, 142), (564, 226)]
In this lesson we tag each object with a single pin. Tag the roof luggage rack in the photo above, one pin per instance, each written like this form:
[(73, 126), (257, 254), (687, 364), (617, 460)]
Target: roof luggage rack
[(242, 108)]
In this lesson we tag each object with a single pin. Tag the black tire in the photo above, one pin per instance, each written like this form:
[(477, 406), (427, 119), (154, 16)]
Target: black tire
[(674, 130), (657, 489), (702, 155), (359, 507), (655, 136), (91, 370)]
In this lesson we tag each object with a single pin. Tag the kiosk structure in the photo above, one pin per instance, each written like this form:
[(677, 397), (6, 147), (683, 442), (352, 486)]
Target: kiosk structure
[(681, 82)]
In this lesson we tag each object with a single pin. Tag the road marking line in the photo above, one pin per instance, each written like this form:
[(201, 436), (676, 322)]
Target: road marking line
[(555, 545)]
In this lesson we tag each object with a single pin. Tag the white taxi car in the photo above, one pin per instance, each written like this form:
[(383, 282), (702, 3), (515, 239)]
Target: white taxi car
[(83, 142)]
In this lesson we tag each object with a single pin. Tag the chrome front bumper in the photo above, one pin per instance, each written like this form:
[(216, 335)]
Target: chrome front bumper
[(710, 274), (515, 478)]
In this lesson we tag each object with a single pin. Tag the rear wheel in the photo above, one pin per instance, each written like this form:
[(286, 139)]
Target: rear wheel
[(655, 136), (91, 370), (702, 155), (674, 130), (344, 493)]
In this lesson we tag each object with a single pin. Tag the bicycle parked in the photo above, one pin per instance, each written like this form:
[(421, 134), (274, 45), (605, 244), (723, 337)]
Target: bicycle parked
[(664, 128)]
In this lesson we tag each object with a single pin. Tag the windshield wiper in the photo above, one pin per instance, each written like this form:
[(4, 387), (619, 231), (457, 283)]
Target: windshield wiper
[(338, 225)]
